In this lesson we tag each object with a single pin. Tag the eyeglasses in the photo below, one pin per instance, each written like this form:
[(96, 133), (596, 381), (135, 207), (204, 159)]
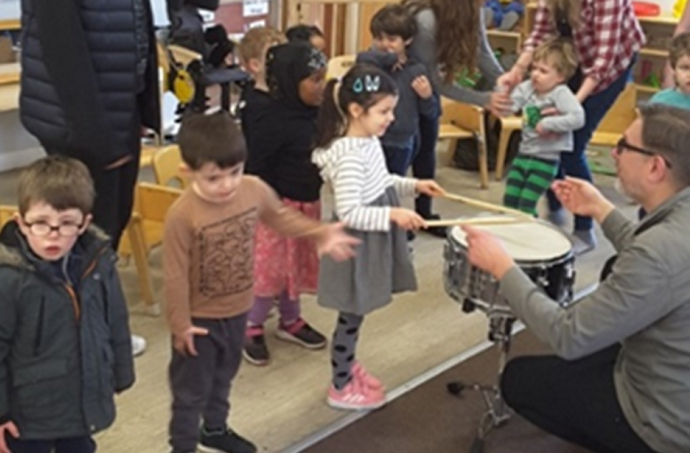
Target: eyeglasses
[(622, 145), (42, 229)]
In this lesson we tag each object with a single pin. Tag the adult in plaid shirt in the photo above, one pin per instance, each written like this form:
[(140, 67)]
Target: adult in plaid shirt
[(607, 37)]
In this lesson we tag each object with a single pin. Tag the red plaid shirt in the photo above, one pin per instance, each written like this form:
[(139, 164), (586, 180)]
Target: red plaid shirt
[(606, 41)]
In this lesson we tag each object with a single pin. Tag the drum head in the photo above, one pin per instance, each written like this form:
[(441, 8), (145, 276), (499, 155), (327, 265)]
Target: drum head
[(528, 241)]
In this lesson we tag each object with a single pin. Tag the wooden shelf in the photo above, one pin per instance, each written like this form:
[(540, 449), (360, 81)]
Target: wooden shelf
[(10, 24), (645, 88), (9, 97), (9, 73), (662, 19), (647, 52), (503, 34)]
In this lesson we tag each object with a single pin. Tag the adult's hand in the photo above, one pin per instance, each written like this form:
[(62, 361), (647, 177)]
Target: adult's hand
[(510, 79), (487, 252), (582, 198), (500, 104)]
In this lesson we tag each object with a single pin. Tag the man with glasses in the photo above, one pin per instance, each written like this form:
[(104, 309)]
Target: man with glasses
[(620, 379)]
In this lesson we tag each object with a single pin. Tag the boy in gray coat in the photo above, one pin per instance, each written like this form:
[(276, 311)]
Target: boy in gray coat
[(65, 346)]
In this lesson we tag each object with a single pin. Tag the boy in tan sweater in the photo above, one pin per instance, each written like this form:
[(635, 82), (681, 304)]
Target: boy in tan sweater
[(207, 263)]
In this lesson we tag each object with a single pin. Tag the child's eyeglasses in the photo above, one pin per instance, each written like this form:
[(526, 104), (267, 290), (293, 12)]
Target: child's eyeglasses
[(622, 145), (42, 229)]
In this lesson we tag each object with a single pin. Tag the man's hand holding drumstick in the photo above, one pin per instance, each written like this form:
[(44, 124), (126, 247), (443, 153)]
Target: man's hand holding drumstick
[(578, 196)]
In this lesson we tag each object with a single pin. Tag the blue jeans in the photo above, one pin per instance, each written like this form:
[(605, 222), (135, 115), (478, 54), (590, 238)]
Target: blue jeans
[(83, 444), (398, 158), (575, 163)]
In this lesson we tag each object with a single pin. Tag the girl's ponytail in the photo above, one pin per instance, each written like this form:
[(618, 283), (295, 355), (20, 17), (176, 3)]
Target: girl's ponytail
[(330, 123)]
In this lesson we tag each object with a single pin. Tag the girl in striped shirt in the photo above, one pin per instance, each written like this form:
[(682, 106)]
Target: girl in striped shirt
[(355, 112)]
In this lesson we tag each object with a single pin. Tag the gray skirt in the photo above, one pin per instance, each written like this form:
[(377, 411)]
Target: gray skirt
[(381, 268)]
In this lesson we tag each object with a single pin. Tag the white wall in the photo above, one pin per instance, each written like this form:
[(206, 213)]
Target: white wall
[(666, 5)]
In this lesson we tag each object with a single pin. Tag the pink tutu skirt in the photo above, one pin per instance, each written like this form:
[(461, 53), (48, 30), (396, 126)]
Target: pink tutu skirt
[(282, 263)]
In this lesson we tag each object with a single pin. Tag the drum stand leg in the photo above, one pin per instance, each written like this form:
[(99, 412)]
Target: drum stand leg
[(497, 413)]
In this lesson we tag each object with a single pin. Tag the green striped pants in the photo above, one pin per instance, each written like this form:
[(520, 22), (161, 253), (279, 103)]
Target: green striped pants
[(527, 181)]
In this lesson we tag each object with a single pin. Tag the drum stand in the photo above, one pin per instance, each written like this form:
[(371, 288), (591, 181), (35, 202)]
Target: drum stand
[(497, 413)]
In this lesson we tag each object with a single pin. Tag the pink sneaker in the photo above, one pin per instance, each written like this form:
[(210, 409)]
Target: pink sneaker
[(355, 396), (365, 378)]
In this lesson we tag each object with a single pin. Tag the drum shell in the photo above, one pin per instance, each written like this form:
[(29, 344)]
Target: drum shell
[(463, 281)]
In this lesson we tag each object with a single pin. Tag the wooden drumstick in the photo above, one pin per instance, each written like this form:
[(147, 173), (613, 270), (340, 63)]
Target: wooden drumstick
[(473, 221), (488, 206)]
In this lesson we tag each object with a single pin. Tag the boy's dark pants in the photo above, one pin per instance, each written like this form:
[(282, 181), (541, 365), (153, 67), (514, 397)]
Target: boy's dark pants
[(201, 385), (398, 158), (83, 444)]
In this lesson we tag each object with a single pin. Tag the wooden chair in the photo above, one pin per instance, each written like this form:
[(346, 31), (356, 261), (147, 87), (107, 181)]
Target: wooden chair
[(152, 204), (465, 121), (338, 66), (509, 125), (621, 114), (166, 167), (6, 214), (146, 231)]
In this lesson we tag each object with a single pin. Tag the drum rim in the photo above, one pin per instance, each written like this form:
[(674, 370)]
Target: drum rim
[(556, 259)]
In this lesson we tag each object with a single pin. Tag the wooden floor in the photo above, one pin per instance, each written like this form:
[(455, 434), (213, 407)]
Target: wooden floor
[(279, 405)]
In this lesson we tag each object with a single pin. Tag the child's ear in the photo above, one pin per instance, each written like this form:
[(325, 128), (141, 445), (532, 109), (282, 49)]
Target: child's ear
[(254, 65), (87, 222), (17, 217), (185, 170), (355, 110), (408, 42)]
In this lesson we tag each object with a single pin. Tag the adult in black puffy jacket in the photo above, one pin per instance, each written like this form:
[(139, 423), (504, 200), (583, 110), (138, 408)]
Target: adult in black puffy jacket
[(89, 83)]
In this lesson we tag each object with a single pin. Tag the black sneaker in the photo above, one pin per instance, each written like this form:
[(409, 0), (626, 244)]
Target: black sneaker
[(255, 350), (224, 442), (439, 232), (301, 333)]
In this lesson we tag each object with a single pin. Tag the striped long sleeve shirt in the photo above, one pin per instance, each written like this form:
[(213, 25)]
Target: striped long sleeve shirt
[(356, 169)]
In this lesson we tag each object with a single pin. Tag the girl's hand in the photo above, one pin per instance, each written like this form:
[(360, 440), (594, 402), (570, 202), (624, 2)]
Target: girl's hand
[(422, 87), (184, 344), (6, 430), (406, 219), (429, 187)]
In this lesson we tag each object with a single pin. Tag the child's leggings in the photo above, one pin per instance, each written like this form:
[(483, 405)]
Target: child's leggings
[(343, 347), (528, 179)]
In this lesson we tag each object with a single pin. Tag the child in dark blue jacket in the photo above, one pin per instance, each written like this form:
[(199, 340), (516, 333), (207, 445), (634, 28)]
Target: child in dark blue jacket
[(65, 347)]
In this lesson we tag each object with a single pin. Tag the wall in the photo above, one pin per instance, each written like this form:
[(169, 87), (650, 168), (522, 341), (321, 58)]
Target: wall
[(666, 5)]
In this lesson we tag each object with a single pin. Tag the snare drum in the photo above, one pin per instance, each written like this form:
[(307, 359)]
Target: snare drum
[(540, 250)]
